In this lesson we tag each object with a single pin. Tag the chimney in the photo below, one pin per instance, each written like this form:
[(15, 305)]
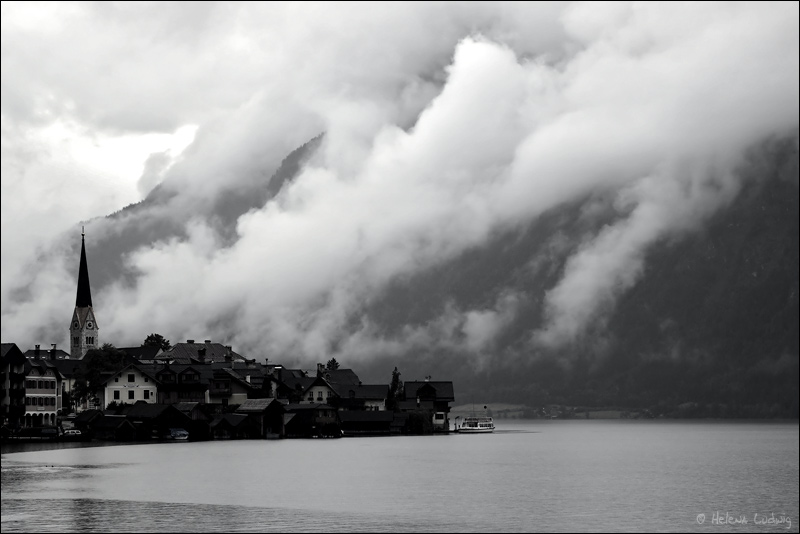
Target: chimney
[(201, 354), (208, 341), (53, 352), (190, 340), (320, 369), (36, 352)]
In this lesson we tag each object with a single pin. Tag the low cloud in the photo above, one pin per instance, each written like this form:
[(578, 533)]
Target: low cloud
[(444, 124)]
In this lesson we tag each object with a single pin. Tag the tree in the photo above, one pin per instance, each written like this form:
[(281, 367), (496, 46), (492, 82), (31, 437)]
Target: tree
[(157, 340), (98, 366), (395, 390), (332, 365)]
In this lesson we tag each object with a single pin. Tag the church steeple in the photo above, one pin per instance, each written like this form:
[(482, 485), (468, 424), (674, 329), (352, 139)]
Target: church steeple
[(84, 297), (83, 330)]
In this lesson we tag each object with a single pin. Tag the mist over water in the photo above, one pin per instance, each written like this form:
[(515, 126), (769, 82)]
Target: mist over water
[(527, 476)]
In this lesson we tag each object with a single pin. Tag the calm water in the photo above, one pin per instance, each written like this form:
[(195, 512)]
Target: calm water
[(527, 476)]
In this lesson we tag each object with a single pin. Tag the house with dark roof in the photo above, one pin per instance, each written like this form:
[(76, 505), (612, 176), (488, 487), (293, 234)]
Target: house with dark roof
[(12, 385), (266, 416), (205, 352), (228, 387), (183, 383), (361, 397), (338, 376), (318, 391), (113, 428), (431, 398), (131, 384), (156, 420), (83, 421)]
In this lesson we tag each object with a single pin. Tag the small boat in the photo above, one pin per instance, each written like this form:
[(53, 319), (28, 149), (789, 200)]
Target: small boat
[(475, 425)]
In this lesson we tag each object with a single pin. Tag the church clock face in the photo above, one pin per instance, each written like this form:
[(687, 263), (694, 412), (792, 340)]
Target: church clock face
[(75, 324), (89, 324)]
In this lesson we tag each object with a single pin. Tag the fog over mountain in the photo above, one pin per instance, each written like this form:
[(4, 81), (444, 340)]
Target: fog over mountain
[(547, 203)]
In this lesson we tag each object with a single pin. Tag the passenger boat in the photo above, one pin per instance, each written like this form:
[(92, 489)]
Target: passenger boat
[(475, 425)]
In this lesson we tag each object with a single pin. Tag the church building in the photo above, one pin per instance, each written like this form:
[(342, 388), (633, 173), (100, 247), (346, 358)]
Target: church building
[(84, 332)]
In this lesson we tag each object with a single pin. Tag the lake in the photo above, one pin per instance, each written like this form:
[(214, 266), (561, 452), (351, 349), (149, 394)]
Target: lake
[(529, 475)]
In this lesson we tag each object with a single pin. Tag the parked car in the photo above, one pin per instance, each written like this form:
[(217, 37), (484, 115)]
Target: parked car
[(72, 435), (178, 433)]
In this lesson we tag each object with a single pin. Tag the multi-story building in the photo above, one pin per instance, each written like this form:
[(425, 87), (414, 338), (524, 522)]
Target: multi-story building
[(12, 385)]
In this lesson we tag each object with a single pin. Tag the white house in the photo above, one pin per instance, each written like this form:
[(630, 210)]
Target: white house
[(129, 385)]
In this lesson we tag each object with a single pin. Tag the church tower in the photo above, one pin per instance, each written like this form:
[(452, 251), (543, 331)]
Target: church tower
[(83, 330)]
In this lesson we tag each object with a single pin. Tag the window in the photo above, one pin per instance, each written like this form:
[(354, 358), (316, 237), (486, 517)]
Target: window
[(131, 394), (319, 395), (116, 394), (30, 384), (76, 340), (116, 379), (40, 384), (89, 340), (131, 377), (146, 394), (27, 401), (41, 401), (311, 396), (146, 379)]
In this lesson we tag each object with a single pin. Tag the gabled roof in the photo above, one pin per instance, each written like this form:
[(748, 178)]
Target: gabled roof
[(148, 352), (341, 376), (298, 383), (205, 371), (110, 422), (142, 369), (10, 351), (255, 405), (83, 315), (87, 416), (443, 391), (214, 352), (48, 354), (231, 420), (319, 381), (68, 368), (186, 407), (41, 366)]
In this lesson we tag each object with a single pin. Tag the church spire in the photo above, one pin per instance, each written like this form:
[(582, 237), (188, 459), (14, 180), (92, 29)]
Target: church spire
[(84, 297), (83, 330)]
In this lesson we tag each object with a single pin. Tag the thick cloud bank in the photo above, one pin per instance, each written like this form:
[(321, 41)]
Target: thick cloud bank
[(443, 123)]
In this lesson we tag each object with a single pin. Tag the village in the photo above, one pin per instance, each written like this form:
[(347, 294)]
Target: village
[(197, 391), (210, 392)]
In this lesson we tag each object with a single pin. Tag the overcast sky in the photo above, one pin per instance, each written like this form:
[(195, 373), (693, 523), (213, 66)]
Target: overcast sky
[(444, 123)]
